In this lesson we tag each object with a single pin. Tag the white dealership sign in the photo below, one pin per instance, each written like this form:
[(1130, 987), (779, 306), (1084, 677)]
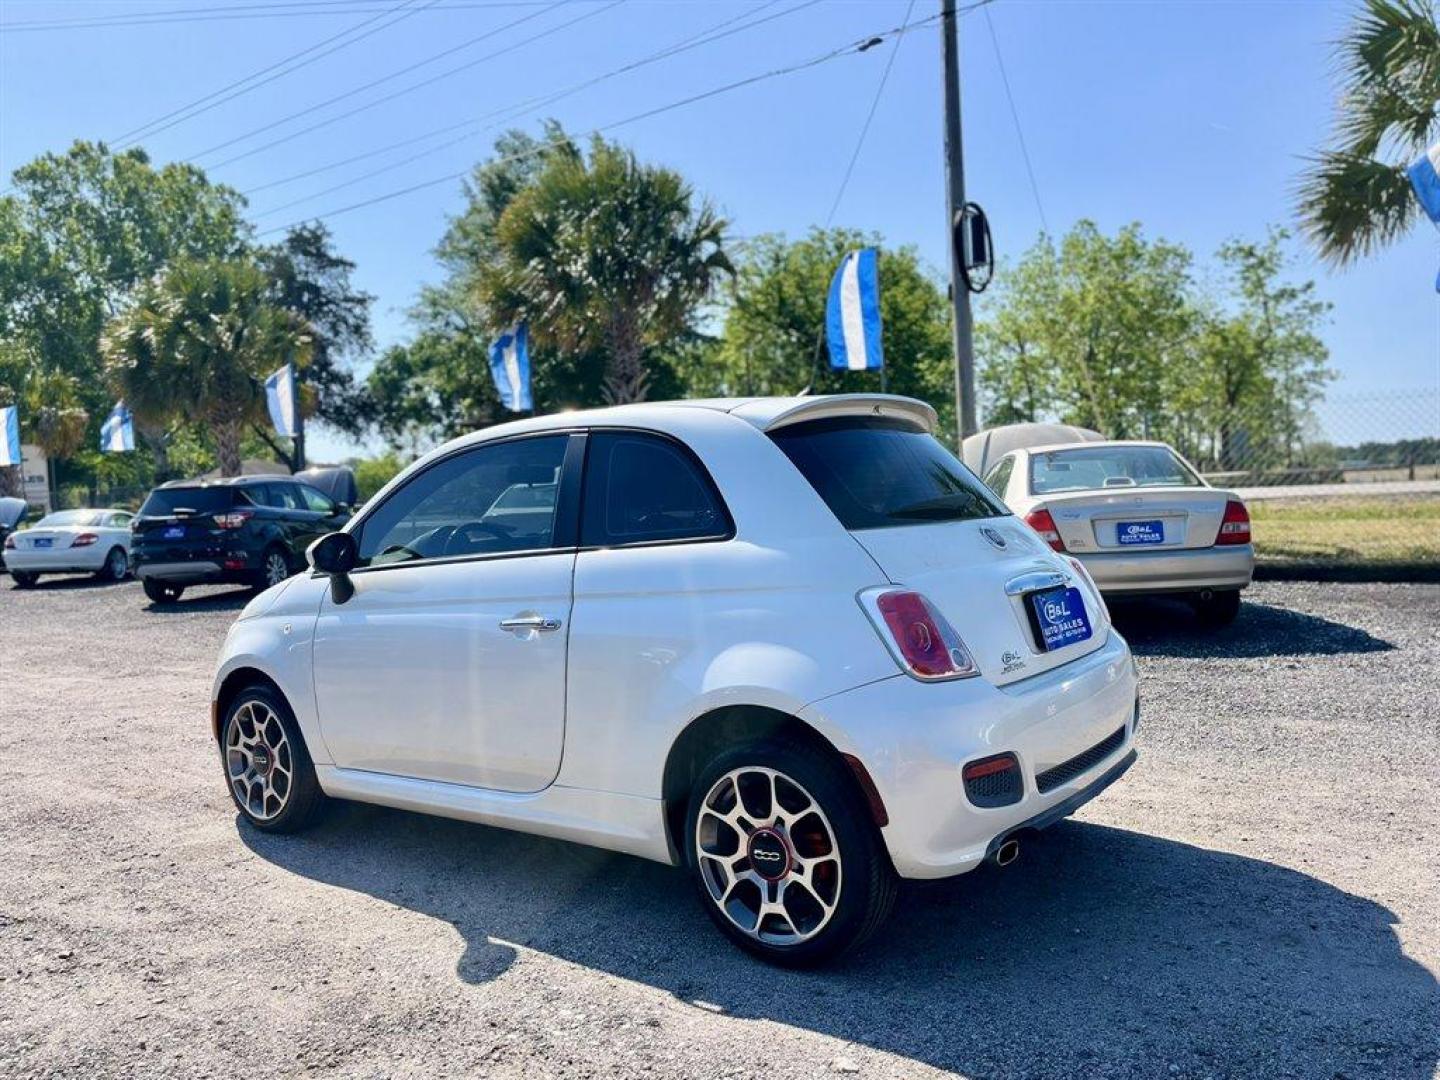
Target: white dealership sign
[(36, 470)]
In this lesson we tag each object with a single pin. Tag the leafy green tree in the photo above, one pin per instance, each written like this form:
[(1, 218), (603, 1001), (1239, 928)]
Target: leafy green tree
[(604, 254), (1097, 320), (78, 234), (216, 334), (1355, 197), (309, 278), (773, 339)]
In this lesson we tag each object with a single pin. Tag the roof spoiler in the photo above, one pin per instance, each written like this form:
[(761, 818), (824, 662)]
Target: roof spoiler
[(817, 408)]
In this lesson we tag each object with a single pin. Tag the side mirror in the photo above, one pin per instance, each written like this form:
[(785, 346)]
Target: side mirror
[(335, 554)]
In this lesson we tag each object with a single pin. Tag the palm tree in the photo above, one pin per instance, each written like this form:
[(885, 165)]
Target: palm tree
[(609, 255), (1356, 197), (135, 373), (199, 344)]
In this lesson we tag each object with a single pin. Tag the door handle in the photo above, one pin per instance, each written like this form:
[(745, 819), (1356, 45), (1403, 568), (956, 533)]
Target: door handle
[(529, 622)]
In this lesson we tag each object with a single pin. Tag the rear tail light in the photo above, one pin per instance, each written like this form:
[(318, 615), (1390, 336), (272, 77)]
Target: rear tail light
[(10, 543), (1044, 524), (1235, 526), (234, 519), (917, 635), (84, 540)]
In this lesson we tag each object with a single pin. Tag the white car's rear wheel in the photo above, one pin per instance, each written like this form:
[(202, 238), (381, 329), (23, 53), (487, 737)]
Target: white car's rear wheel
[(788, 863), (117, 565)]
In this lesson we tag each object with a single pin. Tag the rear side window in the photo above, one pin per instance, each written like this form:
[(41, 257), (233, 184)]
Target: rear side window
[(643, 489), (999, 477), (165, 502), (877, 472)]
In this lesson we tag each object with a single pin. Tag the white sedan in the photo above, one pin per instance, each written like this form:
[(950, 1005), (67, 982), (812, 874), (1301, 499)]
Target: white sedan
[(789, 643), (1138, 516), (68, 542)]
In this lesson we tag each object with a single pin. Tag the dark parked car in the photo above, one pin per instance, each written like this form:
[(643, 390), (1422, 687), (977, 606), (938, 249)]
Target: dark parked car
[(12, 512), (246, 530)]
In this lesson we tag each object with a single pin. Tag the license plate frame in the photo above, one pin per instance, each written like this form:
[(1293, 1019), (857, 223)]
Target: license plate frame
[(1140, 533), (44, 541), (173, 532), (1058, 617)]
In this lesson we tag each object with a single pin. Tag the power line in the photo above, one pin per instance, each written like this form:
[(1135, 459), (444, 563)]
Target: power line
[(395, 75), (869, 117), (718, 31), (296, 9), (851, 49), (219, 97), (1019, 131)]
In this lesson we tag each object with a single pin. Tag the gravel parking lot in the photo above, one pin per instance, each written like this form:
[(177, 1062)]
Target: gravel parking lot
[(1259, 897)]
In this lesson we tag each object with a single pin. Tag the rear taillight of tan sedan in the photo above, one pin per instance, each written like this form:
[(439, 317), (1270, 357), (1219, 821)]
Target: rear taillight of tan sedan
[(1235, 525), (917, 635), (1044, 524)]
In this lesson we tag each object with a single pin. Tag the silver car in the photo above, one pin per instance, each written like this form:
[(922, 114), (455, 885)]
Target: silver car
[(1138, 517)]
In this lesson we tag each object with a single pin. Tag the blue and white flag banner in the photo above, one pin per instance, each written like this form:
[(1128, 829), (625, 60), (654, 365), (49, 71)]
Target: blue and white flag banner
[(852, 314), (1425, 179), (10, 435), (117, 434), (281, 400), (510, 368)]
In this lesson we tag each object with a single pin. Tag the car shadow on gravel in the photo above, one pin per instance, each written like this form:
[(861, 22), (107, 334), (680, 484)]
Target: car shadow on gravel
[(1156, 626), (1099, 948), (68, 583)]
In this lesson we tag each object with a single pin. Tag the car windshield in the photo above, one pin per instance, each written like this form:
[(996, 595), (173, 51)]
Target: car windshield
[(165, 502), (878, 472), (1094, 467), (71, 517)]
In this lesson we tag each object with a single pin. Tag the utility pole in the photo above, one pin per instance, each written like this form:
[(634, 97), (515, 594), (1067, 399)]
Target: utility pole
[(955, 200)]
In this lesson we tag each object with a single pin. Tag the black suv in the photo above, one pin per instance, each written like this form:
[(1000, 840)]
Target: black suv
[(247, 530)]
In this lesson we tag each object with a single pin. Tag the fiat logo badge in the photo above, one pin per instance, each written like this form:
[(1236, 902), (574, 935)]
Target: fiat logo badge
[(992, 535)]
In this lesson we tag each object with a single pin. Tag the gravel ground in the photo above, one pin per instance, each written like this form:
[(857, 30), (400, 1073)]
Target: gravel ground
[(1259, 897)]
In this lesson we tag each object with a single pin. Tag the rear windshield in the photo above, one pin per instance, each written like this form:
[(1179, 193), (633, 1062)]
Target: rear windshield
[(878, 472), (1094, 467), (72, 517), (165, 502)]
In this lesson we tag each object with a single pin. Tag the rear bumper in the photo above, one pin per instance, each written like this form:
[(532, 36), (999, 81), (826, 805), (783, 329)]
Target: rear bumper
[(914, 739), (1186, 570), (57, 560), (193, 572)]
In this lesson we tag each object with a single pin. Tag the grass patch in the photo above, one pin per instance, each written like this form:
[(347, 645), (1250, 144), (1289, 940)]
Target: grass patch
[(1356, 529)]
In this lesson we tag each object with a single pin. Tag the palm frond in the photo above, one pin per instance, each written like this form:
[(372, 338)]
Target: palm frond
[(1353, 205)]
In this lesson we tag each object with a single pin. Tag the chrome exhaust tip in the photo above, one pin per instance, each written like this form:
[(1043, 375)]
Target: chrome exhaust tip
[(1007, 853)]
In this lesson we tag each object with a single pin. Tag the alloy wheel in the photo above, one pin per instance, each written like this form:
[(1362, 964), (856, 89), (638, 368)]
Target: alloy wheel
[(258, 760), (118, 566), (276, 569), (768, 856)]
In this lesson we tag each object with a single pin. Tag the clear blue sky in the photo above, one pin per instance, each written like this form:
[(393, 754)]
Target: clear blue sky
[(1190, 117)]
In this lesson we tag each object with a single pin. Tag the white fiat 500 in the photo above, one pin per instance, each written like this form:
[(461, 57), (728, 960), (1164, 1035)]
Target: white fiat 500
[(792, 644)]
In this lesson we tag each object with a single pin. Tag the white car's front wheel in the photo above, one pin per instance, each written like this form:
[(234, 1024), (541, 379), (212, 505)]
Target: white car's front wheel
[(267, 767), (786, 858)]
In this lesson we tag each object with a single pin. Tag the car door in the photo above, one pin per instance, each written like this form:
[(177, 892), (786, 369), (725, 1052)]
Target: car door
[(448, 661)]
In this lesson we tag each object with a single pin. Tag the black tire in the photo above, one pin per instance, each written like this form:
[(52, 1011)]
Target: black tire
[(24, 579), (162, 592), (301, 802), (867, 881), (263, 576), (114, 569), (1218, 609)]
